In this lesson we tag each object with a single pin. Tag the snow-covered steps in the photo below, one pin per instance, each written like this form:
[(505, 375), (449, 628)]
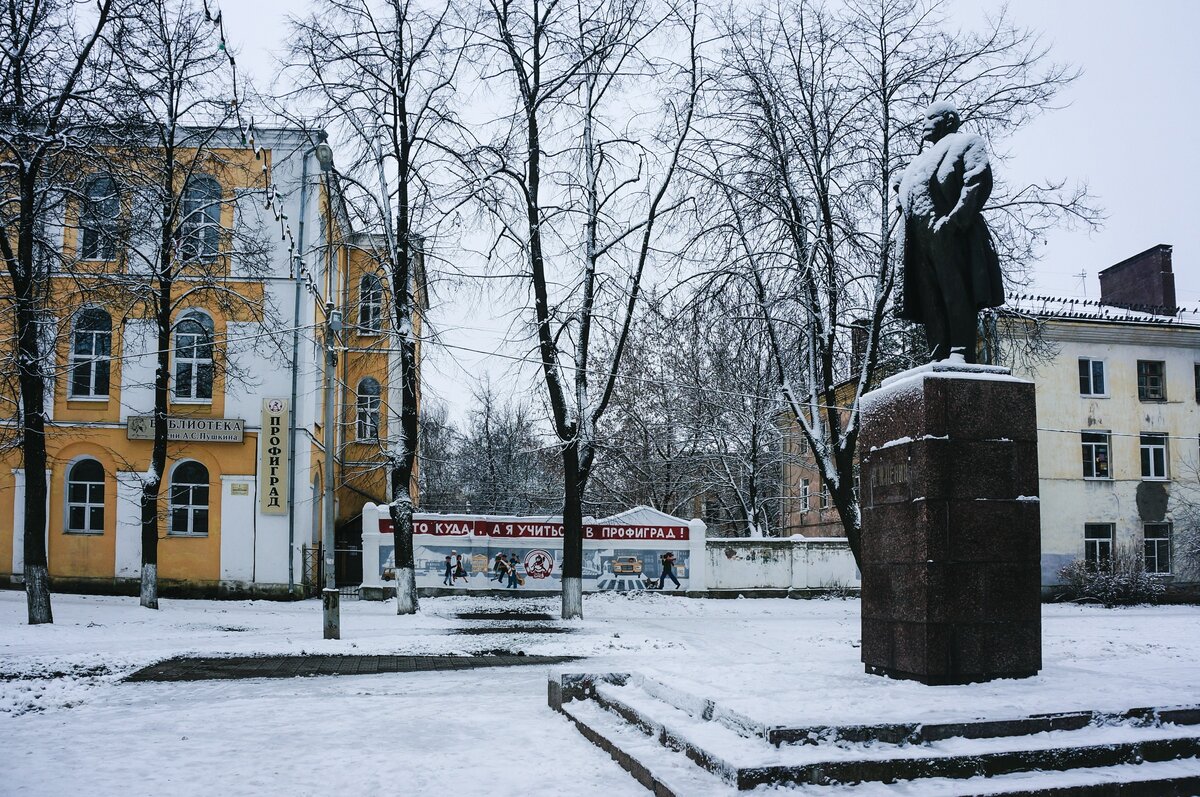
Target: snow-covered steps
[(1124, 748)]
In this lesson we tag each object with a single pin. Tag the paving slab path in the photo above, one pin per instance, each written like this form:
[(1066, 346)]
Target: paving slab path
[(239, 667)]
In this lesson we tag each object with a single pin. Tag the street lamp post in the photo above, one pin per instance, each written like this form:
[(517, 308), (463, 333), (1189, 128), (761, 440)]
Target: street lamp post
[(331, 611)]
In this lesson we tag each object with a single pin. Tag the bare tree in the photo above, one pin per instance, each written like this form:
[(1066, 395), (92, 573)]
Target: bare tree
[(696, 420), (577, 180), (186, 257), (813, 119), (383, 77), (438, 487), (504, 465), (53, 76)]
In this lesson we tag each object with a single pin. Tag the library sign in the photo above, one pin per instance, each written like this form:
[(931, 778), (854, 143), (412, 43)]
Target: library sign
[(188, 430)]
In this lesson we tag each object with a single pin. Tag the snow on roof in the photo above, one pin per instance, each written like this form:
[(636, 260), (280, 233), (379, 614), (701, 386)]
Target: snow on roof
[(1093, 310), (642, 516)]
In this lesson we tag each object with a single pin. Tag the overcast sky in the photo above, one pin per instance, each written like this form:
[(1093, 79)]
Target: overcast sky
[(1129, 129)]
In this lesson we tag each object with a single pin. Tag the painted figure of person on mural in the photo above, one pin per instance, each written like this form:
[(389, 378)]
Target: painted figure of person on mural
[(668, 570), (448, 577), (513, 577)]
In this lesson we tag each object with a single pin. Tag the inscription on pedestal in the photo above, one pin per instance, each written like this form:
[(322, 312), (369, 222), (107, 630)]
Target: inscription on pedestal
[(888, 477)]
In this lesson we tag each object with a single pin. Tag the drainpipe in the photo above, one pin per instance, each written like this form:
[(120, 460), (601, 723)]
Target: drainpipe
[(295, 374)]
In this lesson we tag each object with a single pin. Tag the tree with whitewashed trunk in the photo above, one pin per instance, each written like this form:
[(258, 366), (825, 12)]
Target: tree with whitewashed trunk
[(577, 178), (814, 116), (184, 264), (382, 78), (54, 74)]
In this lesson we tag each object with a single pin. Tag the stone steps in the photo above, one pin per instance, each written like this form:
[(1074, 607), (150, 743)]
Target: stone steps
[(1156, 748)]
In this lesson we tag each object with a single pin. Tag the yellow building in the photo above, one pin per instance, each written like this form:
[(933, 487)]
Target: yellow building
[(241, 496)]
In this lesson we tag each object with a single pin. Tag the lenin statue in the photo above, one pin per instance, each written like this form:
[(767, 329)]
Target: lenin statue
[(951, 271)]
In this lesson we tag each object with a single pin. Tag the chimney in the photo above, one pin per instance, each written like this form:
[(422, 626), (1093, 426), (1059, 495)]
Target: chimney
[(1143, 282)]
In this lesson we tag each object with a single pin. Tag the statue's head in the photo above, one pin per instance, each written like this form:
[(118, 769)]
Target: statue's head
[(941, 119)]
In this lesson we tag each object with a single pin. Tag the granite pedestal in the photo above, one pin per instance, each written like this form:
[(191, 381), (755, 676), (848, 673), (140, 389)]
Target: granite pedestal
[(951, 538)]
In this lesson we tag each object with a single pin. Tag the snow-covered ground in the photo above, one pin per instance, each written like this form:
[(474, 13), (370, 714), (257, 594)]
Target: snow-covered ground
[(68, 724)]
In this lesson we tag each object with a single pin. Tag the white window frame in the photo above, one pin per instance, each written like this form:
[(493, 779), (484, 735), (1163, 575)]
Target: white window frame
[(200, 225), (1095, 546), (88, 504), (824, 495), (1087, 383), (194, 365), (1152, 470), (1156, 549), (1090, 452), (90, 360), (805, 495), (370, 305), (368, 426), (192, 508)]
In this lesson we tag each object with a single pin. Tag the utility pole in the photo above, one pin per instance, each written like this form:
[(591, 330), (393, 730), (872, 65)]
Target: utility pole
[(330, 609)]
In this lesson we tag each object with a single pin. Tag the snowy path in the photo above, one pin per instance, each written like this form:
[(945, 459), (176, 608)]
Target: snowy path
[(484, 732)]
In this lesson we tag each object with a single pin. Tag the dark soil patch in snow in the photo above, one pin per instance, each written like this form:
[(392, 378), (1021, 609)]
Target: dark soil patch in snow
[(239, 667), (78, 671), (512, 629), (514, 616)]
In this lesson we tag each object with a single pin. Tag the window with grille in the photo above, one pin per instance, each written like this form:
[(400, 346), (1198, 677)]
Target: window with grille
[(1091, 377), (194, 357), (189, 500), (91, 353), (85, 497), (1152, 380), (368, 409), (1154, 455), (1157, 540), (1098, 545), (1095, 455)]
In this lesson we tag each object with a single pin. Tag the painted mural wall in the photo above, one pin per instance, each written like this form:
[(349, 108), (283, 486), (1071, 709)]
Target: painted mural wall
[(463, 551)]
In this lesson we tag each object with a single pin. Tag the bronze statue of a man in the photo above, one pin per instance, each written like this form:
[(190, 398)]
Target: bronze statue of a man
[(951, 271)]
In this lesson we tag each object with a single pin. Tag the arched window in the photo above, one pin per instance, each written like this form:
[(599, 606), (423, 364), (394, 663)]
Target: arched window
[(200, 223), (98, 219), (368, 409), (91, 352), (194, 356), (189, 499), (85, 497), (370, 304)]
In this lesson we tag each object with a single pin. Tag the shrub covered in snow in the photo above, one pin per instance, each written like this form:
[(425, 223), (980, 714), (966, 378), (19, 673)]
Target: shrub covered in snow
[(1123, 581)]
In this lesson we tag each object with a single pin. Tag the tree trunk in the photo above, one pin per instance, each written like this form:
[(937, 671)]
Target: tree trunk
[(406, 573), (33, 428), (572, 562), (152, 488)]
